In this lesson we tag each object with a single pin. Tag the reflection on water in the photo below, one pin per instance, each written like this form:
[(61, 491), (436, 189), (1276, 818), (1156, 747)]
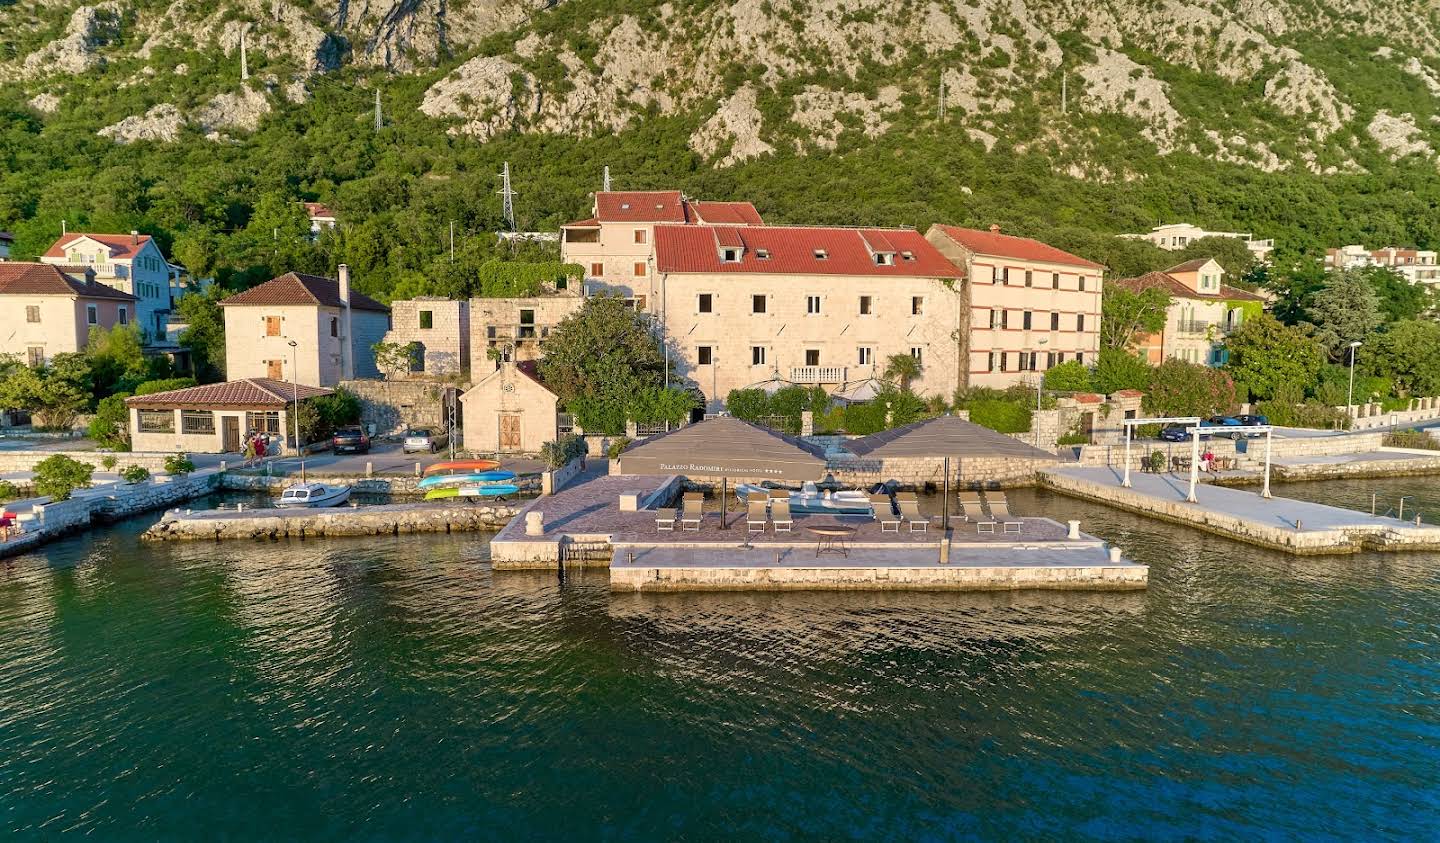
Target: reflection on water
[(398, 688)]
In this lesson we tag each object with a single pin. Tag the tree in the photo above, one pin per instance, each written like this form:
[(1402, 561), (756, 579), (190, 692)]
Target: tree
[(1189, 389), (56, 477), (1408, 353), (55, 395), (393, 358), (204, 333), (903, 368), (1125, 315), (1399, 299), (1070, 376), (110, 427), (1346, 310), (1295, 287), (1116, 369), (598, 358), (117, 359), (1266, 355)]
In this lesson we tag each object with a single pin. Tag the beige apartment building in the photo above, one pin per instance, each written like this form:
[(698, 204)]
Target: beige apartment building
[(214, 418), (1176, 236), (515, 330), (131, 263), (1203, 311), (1418, 266), (440, 329), (1028, 306), (616, 246), (50, 311), (739, 305), (333, 329)]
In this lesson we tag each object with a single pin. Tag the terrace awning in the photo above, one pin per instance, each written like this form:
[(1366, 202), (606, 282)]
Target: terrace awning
[(726, 447), (943, 436)]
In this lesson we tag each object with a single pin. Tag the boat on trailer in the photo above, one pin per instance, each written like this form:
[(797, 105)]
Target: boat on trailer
[(312, 496), (810, 499)]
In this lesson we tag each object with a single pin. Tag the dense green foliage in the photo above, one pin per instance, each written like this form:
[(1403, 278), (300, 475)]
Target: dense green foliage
[(1266, 355), (560, 452), (55, 394), (1070, 376), (1001, 415), (179, 464), (1189, 389), (134, 474), (110, 427), (1408, 355), (204, 334), (57, 476), (1346, 310), (1116, 370), (1127, 316)]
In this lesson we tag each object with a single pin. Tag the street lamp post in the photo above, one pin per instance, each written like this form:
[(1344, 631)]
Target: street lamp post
[(295, 391), (1350, 394), (1039, 389)]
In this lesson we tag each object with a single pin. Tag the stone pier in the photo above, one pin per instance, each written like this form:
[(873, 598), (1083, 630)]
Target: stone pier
[(389, 520)]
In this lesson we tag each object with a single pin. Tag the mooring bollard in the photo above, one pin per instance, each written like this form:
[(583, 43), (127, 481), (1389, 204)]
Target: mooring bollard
[(222, 465), (631, 554), (417, 468), (534, 523), (1114, 554), (369, 470), (1074, 530)]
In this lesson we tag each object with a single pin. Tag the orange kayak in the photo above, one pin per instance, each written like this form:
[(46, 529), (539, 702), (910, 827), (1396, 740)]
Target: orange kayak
[(467, 466)]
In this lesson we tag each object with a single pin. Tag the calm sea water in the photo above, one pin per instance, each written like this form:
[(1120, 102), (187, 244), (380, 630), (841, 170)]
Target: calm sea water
[(398, 688)]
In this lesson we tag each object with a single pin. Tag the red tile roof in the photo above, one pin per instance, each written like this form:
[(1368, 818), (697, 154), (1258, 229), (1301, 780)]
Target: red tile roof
[(122, 246), (1176, 289), (250, 392), (724, 213), (640, 206), (1191, 265), (591, 222), (318, 209), (41, 279), (299, 288), (1008, 246), (792, 251)]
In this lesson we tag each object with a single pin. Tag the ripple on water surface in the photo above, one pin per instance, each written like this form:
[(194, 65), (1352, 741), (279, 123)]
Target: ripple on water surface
[(398, 688)]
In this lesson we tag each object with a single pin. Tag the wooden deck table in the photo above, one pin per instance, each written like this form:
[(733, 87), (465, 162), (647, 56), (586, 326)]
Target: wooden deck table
[(832, 538)]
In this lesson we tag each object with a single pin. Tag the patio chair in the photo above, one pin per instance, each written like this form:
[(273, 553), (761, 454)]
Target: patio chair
[(972, 506), (910, 511), (690, 517), (780, 516), (885, 513), (664, 520), (1000, 511), (756, 518)]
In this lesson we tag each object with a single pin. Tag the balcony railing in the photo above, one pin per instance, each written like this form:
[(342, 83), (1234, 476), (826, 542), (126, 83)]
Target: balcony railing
[(817, 374), (1194, 326)]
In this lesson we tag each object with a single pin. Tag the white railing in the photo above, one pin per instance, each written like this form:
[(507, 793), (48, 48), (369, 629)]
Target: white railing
[(817, 374)]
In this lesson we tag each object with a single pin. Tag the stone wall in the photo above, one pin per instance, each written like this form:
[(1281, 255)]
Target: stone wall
[(445, 344), (152, 461), (857, 578), (556, 479), (394, 519), (1373, 416), (393, 406), (989, 472)]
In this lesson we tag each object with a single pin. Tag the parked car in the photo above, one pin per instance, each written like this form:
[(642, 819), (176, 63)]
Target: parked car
[(1230, 424), (1178, 433), (1253, 420), (351, 440), (424, 439)]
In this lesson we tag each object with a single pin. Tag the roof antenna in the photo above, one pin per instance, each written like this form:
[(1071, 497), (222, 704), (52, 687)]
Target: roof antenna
[(605, 181), (507, 207)]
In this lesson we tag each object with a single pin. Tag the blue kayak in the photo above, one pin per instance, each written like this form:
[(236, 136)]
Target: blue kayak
[(470, 479)]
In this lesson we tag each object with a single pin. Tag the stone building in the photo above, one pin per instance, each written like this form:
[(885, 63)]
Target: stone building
[(439, 328), (1203, 311), (1176, 236), (49, 311), (816, 306), (333, 327), (1030, 306), (510, 411), (516, 329), (213, 418), (131, 263)]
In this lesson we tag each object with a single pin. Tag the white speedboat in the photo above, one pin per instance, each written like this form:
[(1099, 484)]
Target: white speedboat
[(811, 499), (312, 495)]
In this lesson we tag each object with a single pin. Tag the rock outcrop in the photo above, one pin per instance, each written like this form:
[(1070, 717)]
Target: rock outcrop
[(162, 123)]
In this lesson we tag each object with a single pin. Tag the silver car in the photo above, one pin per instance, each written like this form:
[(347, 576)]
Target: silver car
[(424, 439)]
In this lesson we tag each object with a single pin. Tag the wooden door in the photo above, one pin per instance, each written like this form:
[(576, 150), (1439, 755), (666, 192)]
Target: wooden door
[(230, 429), (275, 370), (509, 434)]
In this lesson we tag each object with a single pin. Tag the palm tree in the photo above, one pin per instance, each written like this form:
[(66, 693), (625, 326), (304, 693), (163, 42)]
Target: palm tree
[(902, 368)]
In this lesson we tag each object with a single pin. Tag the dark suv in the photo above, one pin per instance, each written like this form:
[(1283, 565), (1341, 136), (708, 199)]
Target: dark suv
[(350, 440)]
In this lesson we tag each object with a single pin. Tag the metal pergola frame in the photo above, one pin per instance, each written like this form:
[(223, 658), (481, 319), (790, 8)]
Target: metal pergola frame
[(1192, 426)]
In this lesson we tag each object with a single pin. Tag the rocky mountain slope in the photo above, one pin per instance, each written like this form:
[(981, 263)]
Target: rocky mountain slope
[(1321, 86)]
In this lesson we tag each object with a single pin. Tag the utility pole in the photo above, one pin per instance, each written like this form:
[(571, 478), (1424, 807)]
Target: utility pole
[(244, 59), (507, 207), (1064, 92), (452, 241), (605, 180), (378, 114), (942, 97)]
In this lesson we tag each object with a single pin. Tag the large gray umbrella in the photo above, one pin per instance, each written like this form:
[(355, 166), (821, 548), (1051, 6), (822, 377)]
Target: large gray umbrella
[(726, 447), (942, 436)]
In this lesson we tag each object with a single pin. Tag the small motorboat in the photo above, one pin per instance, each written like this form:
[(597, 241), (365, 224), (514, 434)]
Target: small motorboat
[(812, 500), (460, 466), (471, 478), (312, 495)]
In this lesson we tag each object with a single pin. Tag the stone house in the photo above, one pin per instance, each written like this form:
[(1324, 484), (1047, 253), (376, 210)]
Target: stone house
[(616, 245), (131, 263), (1203, 311), (333, 329), (1028, 305), (439, 328), (510, 411), (213, 418), (322, 219), (52, 311), (516, 329)]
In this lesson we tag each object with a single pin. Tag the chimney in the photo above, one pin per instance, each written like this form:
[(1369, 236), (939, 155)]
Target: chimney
[(344, 272), (994, 229), (347, 348), (134, 238)]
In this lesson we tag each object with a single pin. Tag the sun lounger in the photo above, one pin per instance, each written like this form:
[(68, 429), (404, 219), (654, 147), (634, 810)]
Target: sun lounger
[(690, 517), (756, 518), (1000, 511), (972, 506), (779, 494), (885, 514), (910, 511), (664, 520), (780, 515)]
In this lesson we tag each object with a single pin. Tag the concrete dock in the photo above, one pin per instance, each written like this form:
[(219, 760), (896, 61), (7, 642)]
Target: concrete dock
[(1292, 526), (387, 520)]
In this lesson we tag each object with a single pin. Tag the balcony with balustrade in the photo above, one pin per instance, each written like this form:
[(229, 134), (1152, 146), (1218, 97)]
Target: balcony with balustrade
[(818, 374)]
